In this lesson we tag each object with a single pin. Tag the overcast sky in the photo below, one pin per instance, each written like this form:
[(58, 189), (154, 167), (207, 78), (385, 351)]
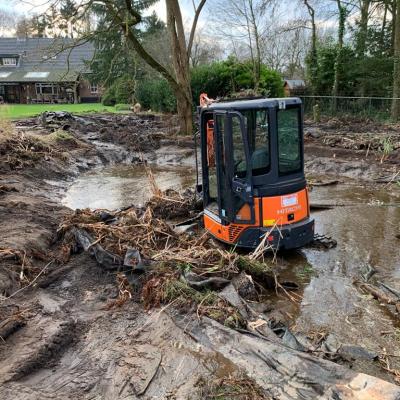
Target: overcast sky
[(37, 6)]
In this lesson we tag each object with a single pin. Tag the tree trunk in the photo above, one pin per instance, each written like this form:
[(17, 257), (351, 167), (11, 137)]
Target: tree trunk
[(396, 71), (314, 70), (383, 29), (249, 35), (363, 28), (339, 55), (394, 14), (180, 83), (362, 37), (76, 97), (185, 114), (257, 61), (183, 92)]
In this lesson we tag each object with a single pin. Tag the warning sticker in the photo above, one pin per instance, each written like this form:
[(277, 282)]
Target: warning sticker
[(289, 201)]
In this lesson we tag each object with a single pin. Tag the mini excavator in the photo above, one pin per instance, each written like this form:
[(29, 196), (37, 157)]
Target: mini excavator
[(253, 182)]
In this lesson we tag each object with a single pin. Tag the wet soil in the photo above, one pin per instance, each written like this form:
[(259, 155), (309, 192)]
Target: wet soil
[(69, 344)]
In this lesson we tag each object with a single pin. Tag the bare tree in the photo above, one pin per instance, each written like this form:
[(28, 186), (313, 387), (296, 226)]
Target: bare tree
[(8, 21), (205, 49), (396, 73), (339, 54), (363, 27), (242, 21), (313, 51)]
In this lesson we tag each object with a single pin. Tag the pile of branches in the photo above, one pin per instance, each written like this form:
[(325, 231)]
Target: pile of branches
[(351, 123), (171, 204), (141, 229), (20, 151), (170, 265), (367, 141)]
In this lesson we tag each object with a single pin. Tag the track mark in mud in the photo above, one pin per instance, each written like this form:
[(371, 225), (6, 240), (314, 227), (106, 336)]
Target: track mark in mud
[(50, 351)]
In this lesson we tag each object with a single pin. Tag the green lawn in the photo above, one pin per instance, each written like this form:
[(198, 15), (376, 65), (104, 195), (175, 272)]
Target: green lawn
[(15, 111)]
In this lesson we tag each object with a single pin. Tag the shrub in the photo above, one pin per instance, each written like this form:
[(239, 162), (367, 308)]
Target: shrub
[(121, 91), (124, 90), (108, 98), (156, 94), (224, 78)]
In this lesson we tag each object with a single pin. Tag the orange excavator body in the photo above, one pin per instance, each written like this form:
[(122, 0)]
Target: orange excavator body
[(254, 187)]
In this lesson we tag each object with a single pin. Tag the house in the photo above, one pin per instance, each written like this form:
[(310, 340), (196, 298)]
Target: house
[(294, 87), (46, 70)]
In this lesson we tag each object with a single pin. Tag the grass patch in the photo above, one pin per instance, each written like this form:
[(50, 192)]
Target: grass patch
[(387, 148), (122, 107), (256, 269), (15, 111), (306, 272)]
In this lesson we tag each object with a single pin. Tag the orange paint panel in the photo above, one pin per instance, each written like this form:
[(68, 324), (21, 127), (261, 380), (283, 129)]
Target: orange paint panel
[(275, 210), (218, 230), (245, 212), (230, 233), (278, 209)]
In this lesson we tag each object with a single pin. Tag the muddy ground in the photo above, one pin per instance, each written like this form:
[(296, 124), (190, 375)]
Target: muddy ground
[(61, 339)]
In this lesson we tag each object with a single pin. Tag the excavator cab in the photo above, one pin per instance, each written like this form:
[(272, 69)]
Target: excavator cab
[(253, 172)]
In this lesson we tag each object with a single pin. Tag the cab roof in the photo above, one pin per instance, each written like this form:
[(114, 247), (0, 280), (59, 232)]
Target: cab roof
[(251, 104)]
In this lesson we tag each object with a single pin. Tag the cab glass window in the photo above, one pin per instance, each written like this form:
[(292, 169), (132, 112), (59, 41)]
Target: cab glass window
[(289, 141), (239, 155), (257, 129)]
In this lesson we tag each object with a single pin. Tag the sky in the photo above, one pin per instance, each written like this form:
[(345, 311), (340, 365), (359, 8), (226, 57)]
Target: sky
[(28, 7), (37, 6)]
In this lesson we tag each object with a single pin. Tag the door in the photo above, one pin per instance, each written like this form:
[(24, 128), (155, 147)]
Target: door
[(239, 176), (229, 196)]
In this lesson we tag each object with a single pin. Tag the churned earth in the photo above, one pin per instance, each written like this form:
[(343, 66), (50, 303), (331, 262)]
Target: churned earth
[(60, 338)]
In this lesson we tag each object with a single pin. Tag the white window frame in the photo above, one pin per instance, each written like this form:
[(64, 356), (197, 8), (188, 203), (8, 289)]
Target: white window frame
[(39, 89), (94, 88), (10, 61)]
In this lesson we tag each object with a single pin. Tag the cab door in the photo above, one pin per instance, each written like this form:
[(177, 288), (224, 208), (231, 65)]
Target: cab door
[(239, 192)]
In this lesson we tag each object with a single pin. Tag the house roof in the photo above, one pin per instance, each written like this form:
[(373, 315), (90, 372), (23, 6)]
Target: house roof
[(44, 59), (295, 83)]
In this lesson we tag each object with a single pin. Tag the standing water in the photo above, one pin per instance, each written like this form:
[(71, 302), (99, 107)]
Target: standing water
[(121, 186)]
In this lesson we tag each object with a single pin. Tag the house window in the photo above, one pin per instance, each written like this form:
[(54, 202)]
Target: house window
[(94, 88), (46, 88), (10, 61)]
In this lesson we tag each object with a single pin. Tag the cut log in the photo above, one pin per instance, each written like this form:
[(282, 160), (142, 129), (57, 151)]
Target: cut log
[(379, 294)]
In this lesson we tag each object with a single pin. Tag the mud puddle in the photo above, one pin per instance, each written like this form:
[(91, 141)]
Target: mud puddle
[(330, 301), (123, 185)]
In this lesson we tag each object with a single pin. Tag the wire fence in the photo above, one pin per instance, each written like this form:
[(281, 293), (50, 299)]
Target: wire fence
[(377, 108)]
